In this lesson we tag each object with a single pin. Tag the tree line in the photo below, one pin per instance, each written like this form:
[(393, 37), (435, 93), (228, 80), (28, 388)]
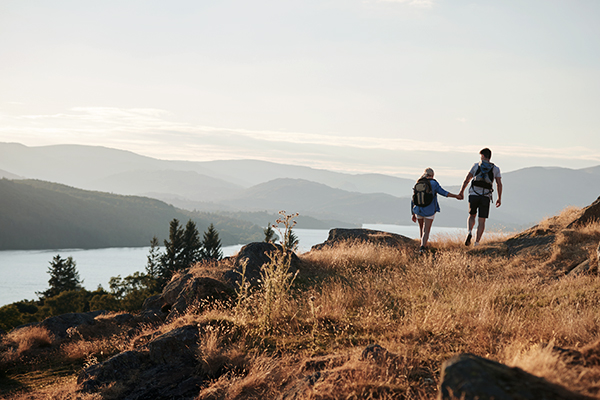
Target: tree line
[(66, 294)]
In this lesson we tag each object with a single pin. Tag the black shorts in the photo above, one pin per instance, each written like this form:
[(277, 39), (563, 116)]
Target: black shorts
[(481, 203)]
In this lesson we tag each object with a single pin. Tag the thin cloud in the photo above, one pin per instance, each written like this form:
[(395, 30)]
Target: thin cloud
[(157, 133), (412, 3)]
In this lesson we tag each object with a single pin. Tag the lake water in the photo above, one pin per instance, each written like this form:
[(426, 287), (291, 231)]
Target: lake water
[(24, 272)]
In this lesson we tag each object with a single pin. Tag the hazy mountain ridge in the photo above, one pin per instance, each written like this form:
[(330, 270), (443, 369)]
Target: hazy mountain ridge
[(8, 175), (530, 194), (186, 184), (42, 215), (94, 165)]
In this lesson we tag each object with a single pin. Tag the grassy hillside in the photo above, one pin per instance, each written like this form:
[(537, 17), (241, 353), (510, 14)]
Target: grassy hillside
[(43, 215)]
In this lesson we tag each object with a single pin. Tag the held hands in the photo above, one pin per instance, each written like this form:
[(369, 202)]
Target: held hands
[(456, 196)]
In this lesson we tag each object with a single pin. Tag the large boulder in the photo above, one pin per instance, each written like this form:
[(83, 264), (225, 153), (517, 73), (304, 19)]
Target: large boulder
[(61, 325), (388, 239), (188, 290), (164, 368), (254, 256), (154, 309), (588, 214), (470, 377), (533, 241)]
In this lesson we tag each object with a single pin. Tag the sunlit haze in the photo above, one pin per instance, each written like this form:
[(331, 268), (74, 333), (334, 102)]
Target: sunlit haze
[(385, 86)]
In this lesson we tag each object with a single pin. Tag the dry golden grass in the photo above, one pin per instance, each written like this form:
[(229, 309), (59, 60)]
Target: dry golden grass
[(561, 220), (58, 389), (25, 340), (573, 246)]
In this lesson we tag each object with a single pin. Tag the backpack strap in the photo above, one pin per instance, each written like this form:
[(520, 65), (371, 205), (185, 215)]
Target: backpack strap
[(483, 184)]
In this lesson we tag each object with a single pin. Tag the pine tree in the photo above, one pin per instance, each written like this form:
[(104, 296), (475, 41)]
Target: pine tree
[(155, 280), (170, 261), (211, 244), (153, 264), (192, 247), (63, 277), (182, 250)]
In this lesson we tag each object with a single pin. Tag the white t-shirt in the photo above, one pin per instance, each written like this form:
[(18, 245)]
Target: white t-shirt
[(474, 190)]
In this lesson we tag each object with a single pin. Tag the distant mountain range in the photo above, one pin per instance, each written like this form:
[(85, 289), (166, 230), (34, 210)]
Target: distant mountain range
[(323, 198)]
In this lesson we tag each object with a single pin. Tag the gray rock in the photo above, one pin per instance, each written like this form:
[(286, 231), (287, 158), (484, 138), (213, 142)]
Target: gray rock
[(588, 214), (470, 377), (60, 324), (120, 367), (188, 290), (339, 235), (533, 241), (153, 303), (174, 347), (164, 368), (255, 256), (582, 268)]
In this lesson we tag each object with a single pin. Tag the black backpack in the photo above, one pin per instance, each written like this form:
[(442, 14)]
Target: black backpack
[(422, 193), (484, 176)]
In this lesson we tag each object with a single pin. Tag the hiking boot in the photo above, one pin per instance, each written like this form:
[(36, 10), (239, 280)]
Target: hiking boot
[(422, 249), (468, 241)]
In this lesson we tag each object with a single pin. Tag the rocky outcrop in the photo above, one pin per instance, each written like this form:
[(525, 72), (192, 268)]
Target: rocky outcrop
[(61, 325), (588, 214), (339, 235), (188, 290), (470, 377), (582, 268), (532, 241), (255, 256), (164, 368)]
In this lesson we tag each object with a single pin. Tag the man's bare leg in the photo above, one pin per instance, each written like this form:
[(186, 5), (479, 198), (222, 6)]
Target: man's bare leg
[(470, 225), (480, 229)]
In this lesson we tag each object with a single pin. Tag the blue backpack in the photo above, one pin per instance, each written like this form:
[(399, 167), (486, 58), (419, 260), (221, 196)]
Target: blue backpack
[(484, 176)]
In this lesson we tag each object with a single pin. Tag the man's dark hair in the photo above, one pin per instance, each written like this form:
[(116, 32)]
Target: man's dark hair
[(487, 153)]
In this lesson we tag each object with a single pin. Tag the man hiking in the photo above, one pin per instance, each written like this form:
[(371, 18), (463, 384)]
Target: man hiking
[(483, 174)]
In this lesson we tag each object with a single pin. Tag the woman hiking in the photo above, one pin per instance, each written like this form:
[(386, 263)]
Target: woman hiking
[(424, 204)]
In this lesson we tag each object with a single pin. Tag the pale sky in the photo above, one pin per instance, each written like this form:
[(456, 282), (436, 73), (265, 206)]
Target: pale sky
[(387, 86)]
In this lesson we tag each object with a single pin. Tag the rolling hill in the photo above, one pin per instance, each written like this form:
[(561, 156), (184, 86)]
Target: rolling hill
[(42, 215), (101, 168)]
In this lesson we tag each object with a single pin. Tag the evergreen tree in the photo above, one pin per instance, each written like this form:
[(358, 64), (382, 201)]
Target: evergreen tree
[(153, 264), (269, 233), (170, 261), (192, 247), (182, 249), (211, 244), (63, 277), (153, 267)]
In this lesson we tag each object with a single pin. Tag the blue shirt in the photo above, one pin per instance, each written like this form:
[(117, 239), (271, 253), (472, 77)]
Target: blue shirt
[(434, 206)]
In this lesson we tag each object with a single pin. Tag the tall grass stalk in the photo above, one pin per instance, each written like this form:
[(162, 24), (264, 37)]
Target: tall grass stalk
[(276, 278)]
